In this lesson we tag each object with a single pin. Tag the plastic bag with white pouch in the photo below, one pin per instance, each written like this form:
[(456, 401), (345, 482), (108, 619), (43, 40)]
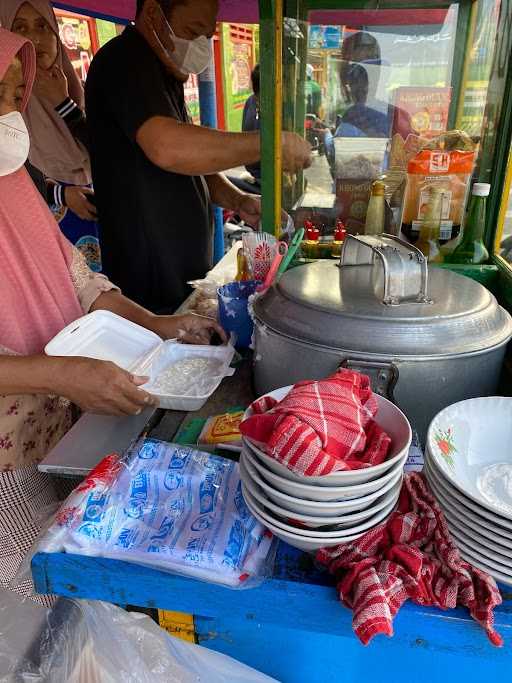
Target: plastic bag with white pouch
[(168, 507), (95, 642)]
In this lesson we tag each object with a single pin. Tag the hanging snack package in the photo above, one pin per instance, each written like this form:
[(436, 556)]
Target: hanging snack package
[(448, 170)]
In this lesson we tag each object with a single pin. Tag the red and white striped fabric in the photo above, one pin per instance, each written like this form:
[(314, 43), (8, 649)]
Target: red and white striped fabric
[(411, 556), (321, 427)]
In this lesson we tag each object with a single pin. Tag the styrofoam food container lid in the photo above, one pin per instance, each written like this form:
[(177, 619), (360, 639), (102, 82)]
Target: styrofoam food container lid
[(106, 336)]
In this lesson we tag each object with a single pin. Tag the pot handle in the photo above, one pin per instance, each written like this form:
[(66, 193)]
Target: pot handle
[(383, 376), (404, 266)]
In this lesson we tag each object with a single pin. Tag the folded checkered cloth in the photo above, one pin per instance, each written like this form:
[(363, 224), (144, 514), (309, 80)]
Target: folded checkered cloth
[(411, 556), (321, 427)]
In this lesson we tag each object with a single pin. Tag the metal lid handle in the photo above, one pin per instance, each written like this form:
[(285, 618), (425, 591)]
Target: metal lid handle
[(404, 266)]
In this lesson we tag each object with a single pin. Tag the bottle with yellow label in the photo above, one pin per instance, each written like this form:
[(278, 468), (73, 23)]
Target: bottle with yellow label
[(430, 230)]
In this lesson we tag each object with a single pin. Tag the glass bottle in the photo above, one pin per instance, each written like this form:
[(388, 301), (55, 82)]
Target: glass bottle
[(428, 240), (309, 246), (471, 249), (376, 210), (339, 237)]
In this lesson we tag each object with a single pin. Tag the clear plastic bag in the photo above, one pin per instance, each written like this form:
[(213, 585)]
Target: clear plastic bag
[(94, 642), (168, 507)]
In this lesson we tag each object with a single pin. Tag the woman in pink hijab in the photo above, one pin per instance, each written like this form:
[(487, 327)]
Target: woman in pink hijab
[(45, 284), (57, 125)]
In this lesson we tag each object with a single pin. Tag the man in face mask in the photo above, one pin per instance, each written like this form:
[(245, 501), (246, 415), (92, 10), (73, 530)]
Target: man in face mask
[(154, 172)]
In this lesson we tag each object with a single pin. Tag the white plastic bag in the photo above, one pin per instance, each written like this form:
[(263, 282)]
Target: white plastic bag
[(94, 642), (169, 507)]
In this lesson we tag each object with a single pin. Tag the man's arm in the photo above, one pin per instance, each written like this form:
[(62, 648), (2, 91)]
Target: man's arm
[(194, 150), (223, 192)]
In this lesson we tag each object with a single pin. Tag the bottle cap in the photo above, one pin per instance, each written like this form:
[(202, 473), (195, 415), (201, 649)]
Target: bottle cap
[(313, 234), (481, 189), (340, 233), (378, 189)]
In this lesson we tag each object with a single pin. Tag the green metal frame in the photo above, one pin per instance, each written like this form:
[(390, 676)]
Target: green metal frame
[(496, 142), (294, 120), (267, 109), (494, 169)]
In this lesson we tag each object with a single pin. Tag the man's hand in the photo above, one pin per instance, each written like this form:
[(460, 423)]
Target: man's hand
[(190, 328), (296, 153), (76, 200), (52, 85), (102, 387), (249, 209)]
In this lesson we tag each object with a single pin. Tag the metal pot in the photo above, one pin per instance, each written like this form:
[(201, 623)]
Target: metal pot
[(427, 337)]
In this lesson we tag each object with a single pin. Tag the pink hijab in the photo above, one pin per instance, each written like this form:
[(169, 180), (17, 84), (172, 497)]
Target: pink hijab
[(54, 151), (38, 296)]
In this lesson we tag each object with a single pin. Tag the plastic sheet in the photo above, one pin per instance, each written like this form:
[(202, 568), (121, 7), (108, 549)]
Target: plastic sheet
[(167, 507), (94, 642)]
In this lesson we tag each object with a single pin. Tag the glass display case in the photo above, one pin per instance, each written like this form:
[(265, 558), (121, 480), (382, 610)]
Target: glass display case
[(413, 96)]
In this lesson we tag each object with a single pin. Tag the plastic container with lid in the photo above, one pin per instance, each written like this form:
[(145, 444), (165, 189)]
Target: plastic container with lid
[(106, 336)]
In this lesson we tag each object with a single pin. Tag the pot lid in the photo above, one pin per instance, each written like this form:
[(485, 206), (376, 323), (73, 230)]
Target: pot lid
[(342, 307)]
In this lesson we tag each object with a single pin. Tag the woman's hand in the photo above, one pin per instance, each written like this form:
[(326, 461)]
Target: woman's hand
[(102, 387), (51, 85), (190, 328), (76, 200)]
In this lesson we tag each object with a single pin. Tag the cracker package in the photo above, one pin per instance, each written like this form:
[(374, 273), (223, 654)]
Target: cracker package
[(222, 429)]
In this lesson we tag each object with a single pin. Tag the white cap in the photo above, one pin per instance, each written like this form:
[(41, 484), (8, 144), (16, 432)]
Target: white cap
[(481, 189)]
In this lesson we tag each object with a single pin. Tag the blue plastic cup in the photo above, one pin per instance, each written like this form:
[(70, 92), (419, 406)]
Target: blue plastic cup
[(234, 312)]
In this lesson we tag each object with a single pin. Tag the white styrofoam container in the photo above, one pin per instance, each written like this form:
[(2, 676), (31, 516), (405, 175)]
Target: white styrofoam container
[(106, 336)]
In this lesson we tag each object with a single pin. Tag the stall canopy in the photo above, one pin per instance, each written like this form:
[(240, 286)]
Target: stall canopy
[(236, 11), (246, 12)]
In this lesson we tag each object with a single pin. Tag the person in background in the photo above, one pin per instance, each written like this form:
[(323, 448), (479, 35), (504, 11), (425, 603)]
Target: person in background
[(57, 126), (367, 116), (45, 285), (251, 120), (313, 93), (155, 173)]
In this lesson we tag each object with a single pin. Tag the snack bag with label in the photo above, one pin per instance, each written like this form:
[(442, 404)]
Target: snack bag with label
[(222, 429), (449, 170)]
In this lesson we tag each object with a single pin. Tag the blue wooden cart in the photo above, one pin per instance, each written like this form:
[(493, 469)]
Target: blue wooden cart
[(293, 627)]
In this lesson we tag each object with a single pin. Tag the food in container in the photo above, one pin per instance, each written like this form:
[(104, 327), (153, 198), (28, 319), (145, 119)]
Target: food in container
[(182, 376)]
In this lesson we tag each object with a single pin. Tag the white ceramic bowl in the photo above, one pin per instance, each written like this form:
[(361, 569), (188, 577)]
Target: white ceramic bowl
[(322, 535), (325, 493), (490, 559), (310, 545), (486, 548), (389, 417), (316, 508), (470, 442), (469, 522), (475, 560), (250, 481), (453, 493)]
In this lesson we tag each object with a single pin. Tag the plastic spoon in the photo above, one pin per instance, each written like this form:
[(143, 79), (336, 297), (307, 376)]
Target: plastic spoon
[(292, 250), (282, 250)]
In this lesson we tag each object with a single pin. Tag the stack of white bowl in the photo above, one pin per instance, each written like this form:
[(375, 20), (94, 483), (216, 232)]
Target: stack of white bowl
[(317, 512), (468, 464)]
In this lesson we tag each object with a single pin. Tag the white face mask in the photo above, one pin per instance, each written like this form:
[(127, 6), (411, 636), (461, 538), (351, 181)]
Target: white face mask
[(189, 56), (14, 143)]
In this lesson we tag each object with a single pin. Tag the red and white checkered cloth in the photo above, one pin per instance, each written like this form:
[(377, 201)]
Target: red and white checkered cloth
[(411, 556), (321, 427)]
